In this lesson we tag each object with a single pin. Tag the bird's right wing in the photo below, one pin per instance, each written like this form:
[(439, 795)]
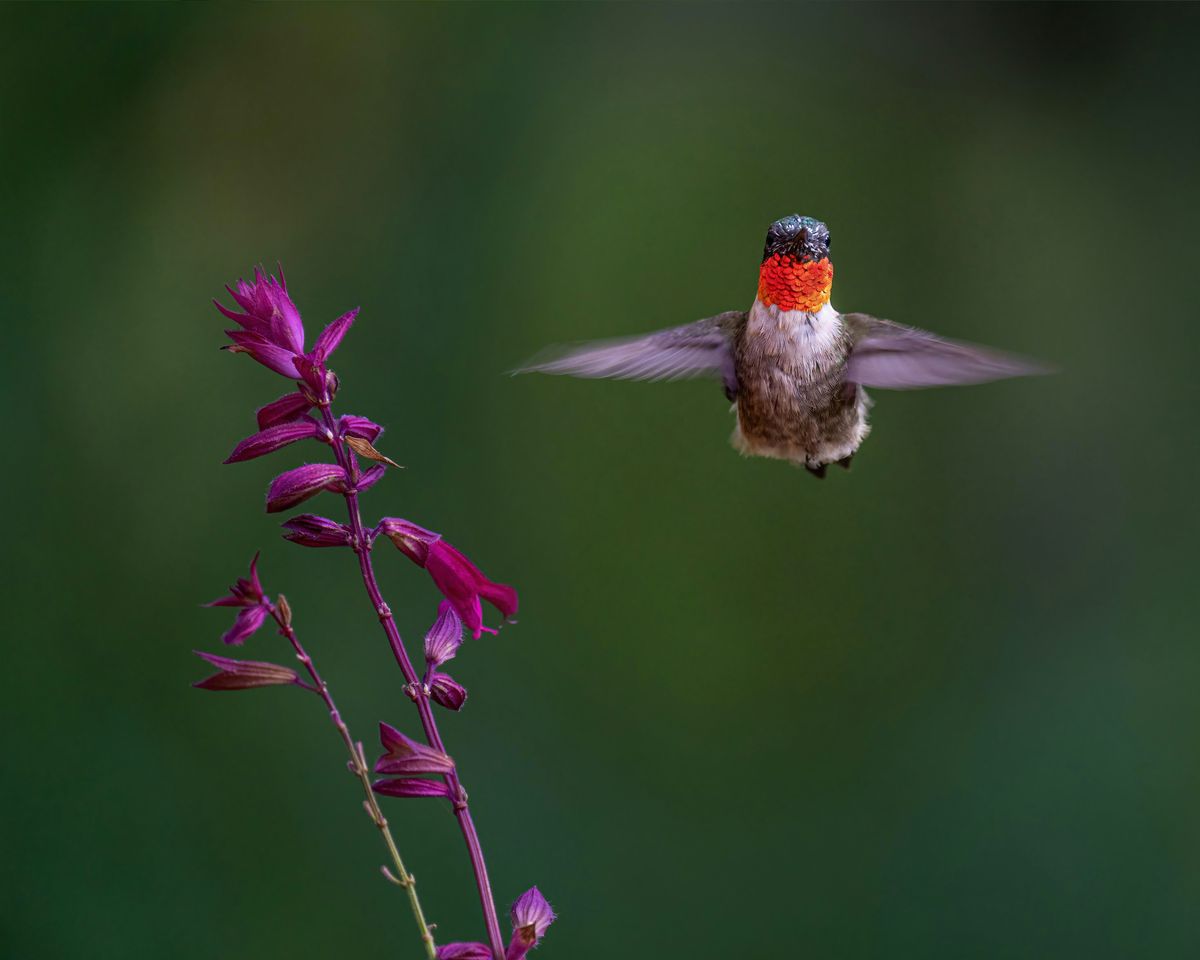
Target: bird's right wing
[(703, 348), (897, 357)]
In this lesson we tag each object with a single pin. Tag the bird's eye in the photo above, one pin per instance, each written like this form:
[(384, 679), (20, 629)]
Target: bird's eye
[(828, 241)]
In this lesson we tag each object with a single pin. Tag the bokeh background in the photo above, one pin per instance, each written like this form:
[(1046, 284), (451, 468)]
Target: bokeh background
[(942, 706)]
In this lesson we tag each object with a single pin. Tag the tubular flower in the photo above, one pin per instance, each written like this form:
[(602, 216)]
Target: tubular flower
[(246, 593), (459, 580)]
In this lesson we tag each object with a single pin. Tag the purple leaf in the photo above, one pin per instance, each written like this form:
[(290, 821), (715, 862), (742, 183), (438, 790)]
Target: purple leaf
[(410, 788), (243, 674), (369, 478), (309, 530), (406, 756), (296, 486), (288, 407), (464, 951), (350, 425), (274, 438), (444, 637)]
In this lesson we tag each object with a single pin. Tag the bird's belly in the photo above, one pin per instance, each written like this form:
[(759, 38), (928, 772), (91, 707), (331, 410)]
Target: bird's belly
[(781, 417)]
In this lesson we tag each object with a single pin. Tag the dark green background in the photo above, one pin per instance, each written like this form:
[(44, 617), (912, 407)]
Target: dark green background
[(943, 706)]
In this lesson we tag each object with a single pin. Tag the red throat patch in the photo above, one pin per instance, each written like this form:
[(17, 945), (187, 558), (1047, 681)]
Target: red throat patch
[(792, 284)]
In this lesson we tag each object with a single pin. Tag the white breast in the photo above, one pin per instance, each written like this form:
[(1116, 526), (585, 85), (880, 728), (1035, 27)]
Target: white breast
[(806, 340)]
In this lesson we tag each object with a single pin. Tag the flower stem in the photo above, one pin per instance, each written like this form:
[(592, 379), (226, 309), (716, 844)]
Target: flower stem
[(358, 765), (458, 795)]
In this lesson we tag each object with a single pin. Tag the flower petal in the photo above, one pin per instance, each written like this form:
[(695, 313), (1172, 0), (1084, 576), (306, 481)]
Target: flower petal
[(274, 438), (279, 359), (332, 335), (248, 620)]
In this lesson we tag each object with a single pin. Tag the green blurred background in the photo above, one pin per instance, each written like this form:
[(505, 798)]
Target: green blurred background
[(943, 706)]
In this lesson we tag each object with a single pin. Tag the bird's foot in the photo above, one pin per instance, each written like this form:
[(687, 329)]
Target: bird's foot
[(818, 471)]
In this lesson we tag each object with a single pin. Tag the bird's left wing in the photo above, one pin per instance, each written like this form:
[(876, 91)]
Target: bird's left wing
[(703, 348), (896, 357)]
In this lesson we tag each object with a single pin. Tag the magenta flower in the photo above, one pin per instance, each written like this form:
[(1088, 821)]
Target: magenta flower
[(247, 593), (531, 915), (273, 333), (244, 674), (459, 580)]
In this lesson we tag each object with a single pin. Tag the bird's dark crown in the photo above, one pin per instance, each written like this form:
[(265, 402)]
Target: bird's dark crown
[(801, 237)]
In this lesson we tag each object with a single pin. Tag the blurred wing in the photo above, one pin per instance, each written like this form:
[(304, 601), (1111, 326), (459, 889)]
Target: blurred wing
[(896, 357), (703, 348)]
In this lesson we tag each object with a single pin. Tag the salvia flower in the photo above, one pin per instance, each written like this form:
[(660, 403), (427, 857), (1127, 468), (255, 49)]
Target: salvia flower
[(459, 580), (243, 674), (406, 756), (297, 485), (444, 637), (246, 593), (309, 530), (464, 951), (447, 691), (531, 916)]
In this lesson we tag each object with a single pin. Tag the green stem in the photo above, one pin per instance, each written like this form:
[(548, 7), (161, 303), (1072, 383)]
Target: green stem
[(282, 615)]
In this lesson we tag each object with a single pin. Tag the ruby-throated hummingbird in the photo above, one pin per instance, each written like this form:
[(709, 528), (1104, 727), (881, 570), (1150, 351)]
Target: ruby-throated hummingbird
[(794, 367)]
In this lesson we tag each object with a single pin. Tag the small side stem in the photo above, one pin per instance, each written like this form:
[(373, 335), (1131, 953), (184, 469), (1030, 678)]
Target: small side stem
[(358, 764)]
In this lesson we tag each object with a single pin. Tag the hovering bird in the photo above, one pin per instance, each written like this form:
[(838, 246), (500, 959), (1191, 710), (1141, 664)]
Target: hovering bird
[(793, 366)]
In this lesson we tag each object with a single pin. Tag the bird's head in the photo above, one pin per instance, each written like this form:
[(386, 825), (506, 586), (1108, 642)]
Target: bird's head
[(796, 272)]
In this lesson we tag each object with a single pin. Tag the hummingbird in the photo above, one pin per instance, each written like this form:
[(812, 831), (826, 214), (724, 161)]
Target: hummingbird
[(795, 369)]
